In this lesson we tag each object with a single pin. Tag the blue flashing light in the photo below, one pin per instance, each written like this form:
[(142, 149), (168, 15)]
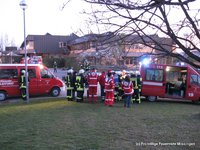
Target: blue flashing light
[(146, 61)]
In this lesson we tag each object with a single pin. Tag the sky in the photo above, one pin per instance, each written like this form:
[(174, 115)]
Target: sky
[(46, 16), (42, 16)]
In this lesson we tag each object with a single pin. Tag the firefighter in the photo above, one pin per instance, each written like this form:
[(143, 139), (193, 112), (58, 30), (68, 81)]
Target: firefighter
[(92, 80), (73, 84), (22, 84), (109, 89), (121, 79), (127, 86), (139, 82), (135, 96), (69, 84), (79, 83), (101, 79), (116, 81)]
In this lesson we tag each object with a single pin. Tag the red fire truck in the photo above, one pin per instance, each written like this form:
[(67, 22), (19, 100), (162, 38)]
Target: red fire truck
[(168, 81), (41, 80)]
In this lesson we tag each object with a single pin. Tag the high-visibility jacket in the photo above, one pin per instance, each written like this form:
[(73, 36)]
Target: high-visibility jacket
[(109, 84), (139, 82), (102, 78), (79, 83), (22, 82), (69, 82), (92, 79), (127, 87), (135, 82)]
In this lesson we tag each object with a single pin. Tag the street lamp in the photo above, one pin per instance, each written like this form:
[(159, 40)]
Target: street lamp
[(23, 5)]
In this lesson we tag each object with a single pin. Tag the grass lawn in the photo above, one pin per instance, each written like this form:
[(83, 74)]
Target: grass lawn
[(57, 124)]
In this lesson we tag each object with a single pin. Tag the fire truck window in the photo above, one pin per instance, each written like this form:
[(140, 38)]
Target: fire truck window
[(8, 73), (199, 80), (45, 74), (194, 79), (31, 73), (154, 75)]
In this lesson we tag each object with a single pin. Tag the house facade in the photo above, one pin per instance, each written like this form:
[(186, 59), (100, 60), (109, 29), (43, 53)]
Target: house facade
[(100, 50), (51, 46), (121, 50)]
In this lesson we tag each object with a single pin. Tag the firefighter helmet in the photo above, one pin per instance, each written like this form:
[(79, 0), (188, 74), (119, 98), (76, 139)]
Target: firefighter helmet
[(81, 71), (123, 71), (70, 71), (23, 71)]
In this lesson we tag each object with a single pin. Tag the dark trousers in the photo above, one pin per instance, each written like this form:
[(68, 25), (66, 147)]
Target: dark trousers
[(102, 93), (23, 93), (79, 97), (116, 93), (120, 94), (127, 100), (69, 94)]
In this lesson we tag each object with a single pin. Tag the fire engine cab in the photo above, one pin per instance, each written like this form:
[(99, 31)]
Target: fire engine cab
[(41, 80), (167, 81)]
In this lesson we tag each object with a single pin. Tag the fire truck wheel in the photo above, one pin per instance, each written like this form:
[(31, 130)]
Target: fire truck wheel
[(55, 92), (2, 96), (152, 98)]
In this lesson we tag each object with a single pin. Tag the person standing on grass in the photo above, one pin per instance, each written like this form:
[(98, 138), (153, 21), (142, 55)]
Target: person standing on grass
[(92, 83), (127, 86), (109, 89), (69, 84), (55, 66), (102, 79), (22, 84), (116, 78), (120, 90), (79, 83)]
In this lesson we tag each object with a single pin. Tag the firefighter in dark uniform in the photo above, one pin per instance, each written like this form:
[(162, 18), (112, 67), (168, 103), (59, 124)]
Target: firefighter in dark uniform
[(135, 97), (120, 90), (22, 84), (79, 83), (69, 84), (139, 82), (116, 78)]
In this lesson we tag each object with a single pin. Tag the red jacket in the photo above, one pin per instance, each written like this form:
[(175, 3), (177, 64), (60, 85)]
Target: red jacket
[(127, 87), (92, 79), (102, 79), (109, 85)]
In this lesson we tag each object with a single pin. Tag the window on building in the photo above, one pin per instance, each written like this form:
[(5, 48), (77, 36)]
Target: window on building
[(154, 75), (127, 61), (92, 45), (62, 44)]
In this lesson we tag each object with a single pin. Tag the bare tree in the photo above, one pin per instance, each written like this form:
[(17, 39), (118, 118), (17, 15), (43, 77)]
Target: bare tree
[(175, 19), (5, 41)]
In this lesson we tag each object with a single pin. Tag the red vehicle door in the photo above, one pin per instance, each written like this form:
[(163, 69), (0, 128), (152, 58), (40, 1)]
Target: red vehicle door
[(193, 88), (153, 81), (9, 80), (44, 82), (33, 81)]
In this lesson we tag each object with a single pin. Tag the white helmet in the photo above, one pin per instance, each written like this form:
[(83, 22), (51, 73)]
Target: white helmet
[(81, 71), (123, 71), (23, 71), (70, 71)]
